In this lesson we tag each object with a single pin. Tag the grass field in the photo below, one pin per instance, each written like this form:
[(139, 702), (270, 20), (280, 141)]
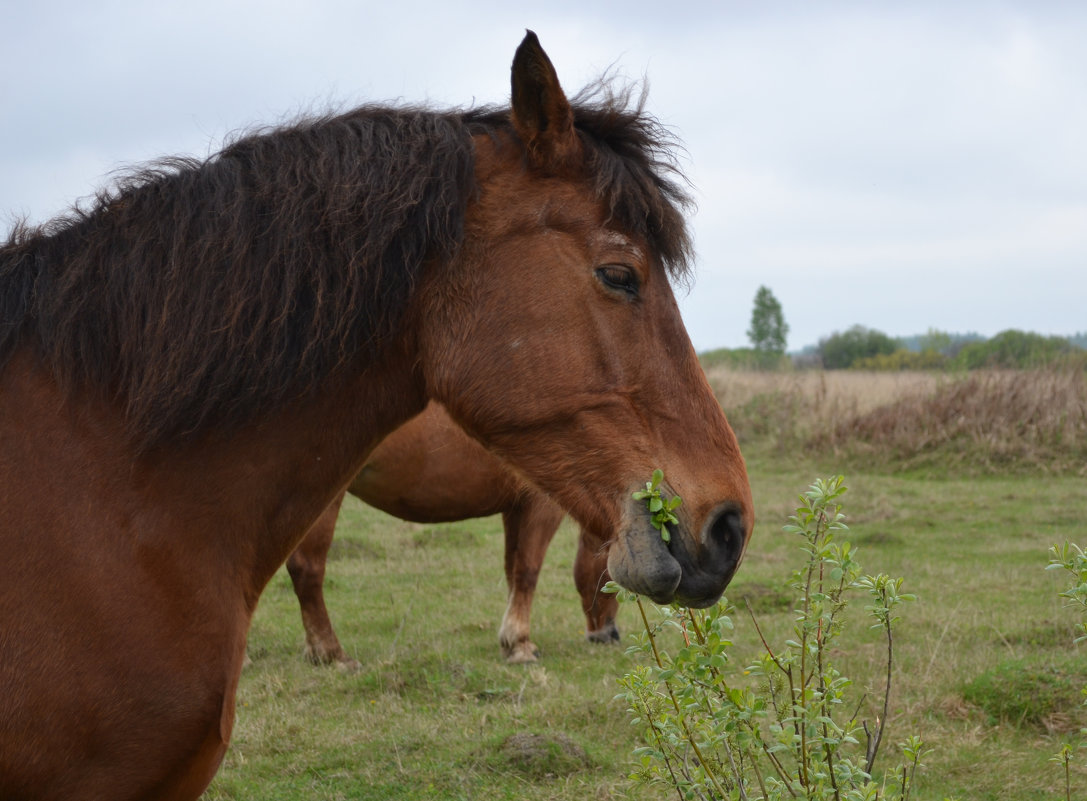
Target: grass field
[(435, 713)]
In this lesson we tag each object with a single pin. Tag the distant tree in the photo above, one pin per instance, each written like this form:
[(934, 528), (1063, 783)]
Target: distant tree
[(844, 348), (939, 341), (960, 341), (768, 328), (944, 343)]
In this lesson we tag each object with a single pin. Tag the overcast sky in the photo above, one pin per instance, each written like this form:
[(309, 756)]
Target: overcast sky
[(902, 166)]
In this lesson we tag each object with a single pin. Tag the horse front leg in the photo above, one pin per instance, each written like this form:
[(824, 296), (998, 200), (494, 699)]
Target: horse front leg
[(590, 576), (529, 526), (306, 566)]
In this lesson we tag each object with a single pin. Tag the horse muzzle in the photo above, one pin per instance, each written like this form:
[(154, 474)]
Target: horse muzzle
[(691, 570)]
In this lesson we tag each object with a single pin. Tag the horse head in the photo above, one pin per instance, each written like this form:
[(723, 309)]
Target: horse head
[(554, 336)]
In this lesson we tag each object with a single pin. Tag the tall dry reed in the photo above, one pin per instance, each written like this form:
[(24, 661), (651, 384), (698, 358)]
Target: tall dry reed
[(982, 421)]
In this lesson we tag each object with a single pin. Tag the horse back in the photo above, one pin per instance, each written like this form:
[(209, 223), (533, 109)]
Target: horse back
[(430, 471)]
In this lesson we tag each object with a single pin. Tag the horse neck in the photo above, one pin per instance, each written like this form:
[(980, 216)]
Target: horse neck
[(284, 472), (230, 507)]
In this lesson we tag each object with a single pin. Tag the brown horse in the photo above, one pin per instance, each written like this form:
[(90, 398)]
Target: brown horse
[(182, 365), (429, 471)]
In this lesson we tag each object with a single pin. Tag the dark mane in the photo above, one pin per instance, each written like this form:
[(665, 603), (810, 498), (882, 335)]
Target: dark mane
[(202, 293), (631, 156)]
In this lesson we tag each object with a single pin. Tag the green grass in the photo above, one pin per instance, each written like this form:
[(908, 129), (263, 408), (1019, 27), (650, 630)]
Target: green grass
[(975, 552), (436, 714)]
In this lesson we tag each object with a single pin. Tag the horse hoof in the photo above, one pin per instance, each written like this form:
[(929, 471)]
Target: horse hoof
[(523, 653), (348, 665), (607, 634), (331, 656)]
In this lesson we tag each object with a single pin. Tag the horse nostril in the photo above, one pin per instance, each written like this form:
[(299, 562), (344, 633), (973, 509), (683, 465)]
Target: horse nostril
[(708, 570), (726, 532)]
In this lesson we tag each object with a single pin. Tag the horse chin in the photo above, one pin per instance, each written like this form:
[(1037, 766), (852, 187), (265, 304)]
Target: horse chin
[(700, 590), (698, 601)]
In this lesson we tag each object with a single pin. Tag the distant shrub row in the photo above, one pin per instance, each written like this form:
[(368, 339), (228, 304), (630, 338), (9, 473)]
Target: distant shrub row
[(867, 349), (745, 359)]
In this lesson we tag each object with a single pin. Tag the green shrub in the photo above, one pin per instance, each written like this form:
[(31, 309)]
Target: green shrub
[(1072, 558), (786, 727), (845, 348), (1017, 349)]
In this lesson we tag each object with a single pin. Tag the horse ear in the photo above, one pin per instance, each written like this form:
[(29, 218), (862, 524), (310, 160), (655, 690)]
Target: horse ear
[(541, 114)]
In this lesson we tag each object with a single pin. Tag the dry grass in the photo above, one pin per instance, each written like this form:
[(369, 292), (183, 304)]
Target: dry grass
[(824, 392), (989, 421), (783, 410), (983, 422)]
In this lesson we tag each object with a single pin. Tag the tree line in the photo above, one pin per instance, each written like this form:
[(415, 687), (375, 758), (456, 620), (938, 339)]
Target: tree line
[(865, 348)]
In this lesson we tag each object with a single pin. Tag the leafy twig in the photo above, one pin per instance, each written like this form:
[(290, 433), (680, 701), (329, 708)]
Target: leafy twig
[(660, 509)]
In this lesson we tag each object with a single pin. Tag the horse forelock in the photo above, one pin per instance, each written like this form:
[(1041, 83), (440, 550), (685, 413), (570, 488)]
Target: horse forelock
[(634, 159), (206, 292), (631, 160)]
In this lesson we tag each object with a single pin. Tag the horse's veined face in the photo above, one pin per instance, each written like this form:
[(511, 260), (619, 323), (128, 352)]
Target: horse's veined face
[(555, 339), (577, 325)]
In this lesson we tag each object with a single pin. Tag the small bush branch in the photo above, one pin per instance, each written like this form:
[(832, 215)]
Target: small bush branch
[(719, 737)]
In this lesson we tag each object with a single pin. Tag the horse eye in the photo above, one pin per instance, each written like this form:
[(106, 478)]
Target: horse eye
[(618, 276)]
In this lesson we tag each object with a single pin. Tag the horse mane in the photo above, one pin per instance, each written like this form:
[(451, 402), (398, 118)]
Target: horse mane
[(203, 293), (632, 158)]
